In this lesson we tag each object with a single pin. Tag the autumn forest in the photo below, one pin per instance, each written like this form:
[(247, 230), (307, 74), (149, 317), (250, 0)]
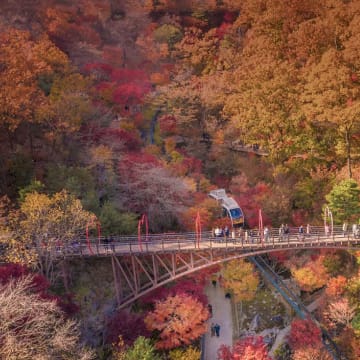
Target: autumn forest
[(111, 109)]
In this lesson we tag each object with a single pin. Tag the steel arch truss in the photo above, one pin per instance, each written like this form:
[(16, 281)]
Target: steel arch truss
[(138, 274)]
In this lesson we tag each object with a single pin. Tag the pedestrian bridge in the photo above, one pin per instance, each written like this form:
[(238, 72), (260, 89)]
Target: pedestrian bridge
[(142, 264)]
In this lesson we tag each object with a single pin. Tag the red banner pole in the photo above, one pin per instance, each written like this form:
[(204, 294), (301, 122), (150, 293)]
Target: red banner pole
[(261, 228), (139, 233)]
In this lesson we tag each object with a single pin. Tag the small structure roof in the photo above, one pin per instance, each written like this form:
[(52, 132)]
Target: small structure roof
[(226, 201)]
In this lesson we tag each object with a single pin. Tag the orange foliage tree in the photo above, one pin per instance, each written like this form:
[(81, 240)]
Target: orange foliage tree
[(24, 62), (336, 286), (311, 275), (207, 209), (179, 319)]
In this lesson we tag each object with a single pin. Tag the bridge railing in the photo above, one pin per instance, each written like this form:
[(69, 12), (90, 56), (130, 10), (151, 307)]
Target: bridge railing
[(168, 242)]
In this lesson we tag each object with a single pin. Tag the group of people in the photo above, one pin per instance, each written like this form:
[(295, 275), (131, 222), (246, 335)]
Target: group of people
[(252, 235), (219, 232), (355, 229), (215, 329), (109, 243)]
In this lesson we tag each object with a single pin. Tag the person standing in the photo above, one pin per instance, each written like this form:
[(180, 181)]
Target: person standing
[(327, 230), (344, 228), (266, 234), (354, 230), (281, 232), (287, 232), (106, 243), (217, 329), (226, 232), (251, 236), (210, 310), (217, 232), (212, 329), (301, 232)]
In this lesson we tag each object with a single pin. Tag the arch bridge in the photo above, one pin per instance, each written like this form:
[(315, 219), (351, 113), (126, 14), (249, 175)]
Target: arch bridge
[(142, 265)]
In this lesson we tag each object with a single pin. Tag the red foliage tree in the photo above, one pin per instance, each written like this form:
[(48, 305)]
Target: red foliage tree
[(118, 139), (17, 271), (66, 26), (224, 353), (125, 87), (145, 160), (167, 125), (249, 348), (192, 285), (304, 333), (184, 287), (250, 202), (279, 256), (222, 30), (130, 326)]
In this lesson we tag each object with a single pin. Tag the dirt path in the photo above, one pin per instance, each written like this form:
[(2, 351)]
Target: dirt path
[(221, 315)]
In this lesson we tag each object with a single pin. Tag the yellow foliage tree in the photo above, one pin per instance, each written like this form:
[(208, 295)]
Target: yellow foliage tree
[(334, 100), (189, 354), (241, 279), (42, 224)]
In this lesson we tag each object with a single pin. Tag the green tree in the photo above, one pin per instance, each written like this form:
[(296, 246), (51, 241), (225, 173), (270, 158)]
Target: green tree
[(169, 34), (142, 349), (344, 201), (35, 185), (356, 323), (114, 222), (77, 180)]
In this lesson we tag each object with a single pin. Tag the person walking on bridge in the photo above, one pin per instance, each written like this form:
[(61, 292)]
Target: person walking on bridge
[(106, 243), (266, 234), (287, 232), (281, 232), (301, 232)]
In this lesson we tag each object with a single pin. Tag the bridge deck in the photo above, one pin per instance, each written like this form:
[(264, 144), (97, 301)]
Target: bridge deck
[(182, 242)]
